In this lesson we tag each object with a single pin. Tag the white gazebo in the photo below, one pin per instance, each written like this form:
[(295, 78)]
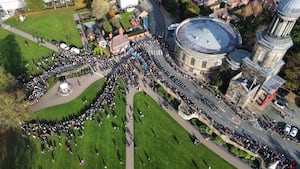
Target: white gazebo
[(65, 89)]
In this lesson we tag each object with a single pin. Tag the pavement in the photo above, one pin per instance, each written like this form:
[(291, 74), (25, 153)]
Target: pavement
[(130, 130)]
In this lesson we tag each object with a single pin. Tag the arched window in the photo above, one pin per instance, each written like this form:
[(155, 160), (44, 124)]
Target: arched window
[(204, 63), (193, 61)]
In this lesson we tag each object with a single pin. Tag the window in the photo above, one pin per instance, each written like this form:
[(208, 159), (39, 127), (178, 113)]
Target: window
[(204, 63), (191, 69), (193, 61), (183, 57)]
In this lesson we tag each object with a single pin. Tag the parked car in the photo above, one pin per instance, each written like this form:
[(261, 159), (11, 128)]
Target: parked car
[(279, 104), (287, 129), (294, 131), (173, 26)]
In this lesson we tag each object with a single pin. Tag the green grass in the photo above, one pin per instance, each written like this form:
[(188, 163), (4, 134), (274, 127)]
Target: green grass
[(73, 107), (34, 5), (51, 24), (125, 19), (14, 45), (108, 142), (167, 144)]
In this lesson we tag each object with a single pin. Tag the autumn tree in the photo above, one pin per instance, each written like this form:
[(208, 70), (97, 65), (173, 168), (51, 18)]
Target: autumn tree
[(100, 8), (112, 13), (256, 8), (13, 109)]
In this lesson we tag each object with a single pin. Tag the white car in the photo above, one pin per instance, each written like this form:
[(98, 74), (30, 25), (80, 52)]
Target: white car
[(294, 132), (64, 46), (279, 104), (287, 129), (173, 26), (75, 50)]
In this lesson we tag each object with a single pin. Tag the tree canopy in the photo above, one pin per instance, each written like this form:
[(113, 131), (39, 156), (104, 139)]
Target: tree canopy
[(100, 8), (13, 108)]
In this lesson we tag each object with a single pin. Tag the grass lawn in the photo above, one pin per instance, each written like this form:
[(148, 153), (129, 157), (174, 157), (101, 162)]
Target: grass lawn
[(105, 140), (14, 45), (51, 24), (167, 144), (73, 107), (125, 19)]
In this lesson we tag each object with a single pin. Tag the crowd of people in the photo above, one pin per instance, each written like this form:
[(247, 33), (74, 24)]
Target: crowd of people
[(64, 62), (127, 68), (244, 139)]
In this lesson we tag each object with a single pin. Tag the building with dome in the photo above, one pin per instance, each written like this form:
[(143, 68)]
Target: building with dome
[(258, 80), (201, 44)]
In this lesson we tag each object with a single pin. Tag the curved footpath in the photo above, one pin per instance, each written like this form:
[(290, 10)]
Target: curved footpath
[(52, 98)]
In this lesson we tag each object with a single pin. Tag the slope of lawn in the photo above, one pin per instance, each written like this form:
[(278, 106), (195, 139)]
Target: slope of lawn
[(50, 24), (165, 142), (99, 147), (73, 107), (12, 48)]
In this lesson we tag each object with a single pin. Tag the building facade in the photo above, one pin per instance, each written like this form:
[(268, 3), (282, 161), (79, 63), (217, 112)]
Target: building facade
[(258, 80)]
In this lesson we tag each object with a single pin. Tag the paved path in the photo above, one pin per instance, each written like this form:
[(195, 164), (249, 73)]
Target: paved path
[(238, 163), (28, 36), (52, 98), (130, 130)]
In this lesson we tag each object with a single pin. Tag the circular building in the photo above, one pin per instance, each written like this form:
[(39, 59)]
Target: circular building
[(201, 44)]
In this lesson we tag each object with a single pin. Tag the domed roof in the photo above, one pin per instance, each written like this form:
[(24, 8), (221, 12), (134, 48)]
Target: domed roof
[(289, 8)]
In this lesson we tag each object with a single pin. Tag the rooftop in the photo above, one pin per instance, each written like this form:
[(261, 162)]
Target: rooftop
[(206, 35)]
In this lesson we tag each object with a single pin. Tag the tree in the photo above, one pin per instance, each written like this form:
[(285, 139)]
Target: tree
[(291, 71), (100, 8), (13, 108), (112, 13), (115, 23), (257, 8)]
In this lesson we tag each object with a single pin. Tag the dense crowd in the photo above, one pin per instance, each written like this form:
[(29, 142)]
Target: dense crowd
[(65, 61), (128, 67)]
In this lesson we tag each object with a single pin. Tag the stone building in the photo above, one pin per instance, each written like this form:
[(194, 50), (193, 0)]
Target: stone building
[(201, 45), (258, 81)]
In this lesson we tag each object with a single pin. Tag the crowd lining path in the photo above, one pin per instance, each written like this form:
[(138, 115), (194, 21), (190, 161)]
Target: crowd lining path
[(28, 36), (51, 98)]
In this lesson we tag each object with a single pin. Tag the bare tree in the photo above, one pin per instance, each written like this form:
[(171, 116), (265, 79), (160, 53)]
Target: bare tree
[(257, 8)]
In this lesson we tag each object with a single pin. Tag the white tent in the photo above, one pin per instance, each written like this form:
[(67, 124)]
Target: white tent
[(273, 165), (9, 6), (127, 3)]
